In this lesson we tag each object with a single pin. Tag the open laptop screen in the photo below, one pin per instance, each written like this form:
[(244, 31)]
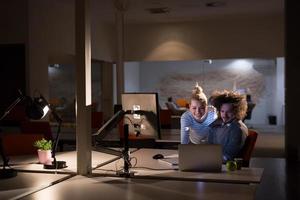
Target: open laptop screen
[(200, 157)]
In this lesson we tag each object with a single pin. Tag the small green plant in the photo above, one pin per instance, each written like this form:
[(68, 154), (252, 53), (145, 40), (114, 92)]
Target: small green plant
[(43, 144)]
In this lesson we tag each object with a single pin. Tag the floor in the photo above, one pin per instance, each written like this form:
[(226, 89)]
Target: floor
[(270, 142), (281, 180)]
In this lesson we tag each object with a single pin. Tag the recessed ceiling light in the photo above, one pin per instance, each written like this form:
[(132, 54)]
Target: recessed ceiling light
[(160, 10), (215, 4)]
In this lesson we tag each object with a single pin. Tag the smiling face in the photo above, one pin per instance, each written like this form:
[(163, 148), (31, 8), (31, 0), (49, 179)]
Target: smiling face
[(226, 112), (198, 109)]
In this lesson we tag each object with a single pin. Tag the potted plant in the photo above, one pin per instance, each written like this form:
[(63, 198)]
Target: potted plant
[(44, 150)]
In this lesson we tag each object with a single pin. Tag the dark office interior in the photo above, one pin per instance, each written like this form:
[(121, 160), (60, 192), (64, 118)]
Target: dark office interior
[(81, 55)]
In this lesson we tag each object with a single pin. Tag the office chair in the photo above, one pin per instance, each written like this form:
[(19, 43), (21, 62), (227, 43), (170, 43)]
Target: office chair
[(15, 116), (182, 102), (97, 120), (248, 147), (20, 144), (165, 118), (37, 127)]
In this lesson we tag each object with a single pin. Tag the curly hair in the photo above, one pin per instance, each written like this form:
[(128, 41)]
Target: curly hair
[(198, 94), (238, 101)]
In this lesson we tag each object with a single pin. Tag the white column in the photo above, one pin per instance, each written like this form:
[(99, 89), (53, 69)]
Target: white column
[(107, 90), (121, 7), (280, 92), (83, 87)]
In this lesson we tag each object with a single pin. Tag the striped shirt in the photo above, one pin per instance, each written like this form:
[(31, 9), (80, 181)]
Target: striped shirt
[(193, 131)]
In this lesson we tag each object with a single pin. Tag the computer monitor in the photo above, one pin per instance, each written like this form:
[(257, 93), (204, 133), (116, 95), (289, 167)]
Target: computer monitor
[(143, 120)]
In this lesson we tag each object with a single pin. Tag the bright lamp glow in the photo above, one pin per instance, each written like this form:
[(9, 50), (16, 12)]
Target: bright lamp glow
[(45, 110)]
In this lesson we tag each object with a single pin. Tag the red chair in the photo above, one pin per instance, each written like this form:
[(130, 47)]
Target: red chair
[(37, 127), (97, 120), (16, 115), (248, 147), (20, 144), (165, 118)]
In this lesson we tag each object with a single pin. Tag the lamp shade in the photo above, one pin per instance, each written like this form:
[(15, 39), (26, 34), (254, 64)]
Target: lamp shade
[(37, 108)]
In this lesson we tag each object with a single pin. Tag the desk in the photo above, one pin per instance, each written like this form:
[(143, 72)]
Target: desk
[(145, 163), (37, 183), (27, 183), (30, 163), (80, 187)]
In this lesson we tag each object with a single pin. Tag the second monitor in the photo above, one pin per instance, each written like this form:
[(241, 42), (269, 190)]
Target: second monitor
[(143, 117)]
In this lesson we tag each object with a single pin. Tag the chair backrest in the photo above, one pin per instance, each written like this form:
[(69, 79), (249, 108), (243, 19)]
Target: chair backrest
[(20, 144), (97, 120), (39, 127), (15, 116), (181, 102), (165, 118), (248, 147)]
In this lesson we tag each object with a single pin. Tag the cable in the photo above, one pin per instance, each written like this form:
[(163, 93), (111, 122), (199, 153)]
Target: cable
[(155, 169), (132, 123), (135, 161), (126, 117), (141, 167)]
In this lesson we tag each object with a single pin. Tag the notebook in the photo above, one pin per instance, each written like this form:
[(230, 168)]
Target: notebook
[(200, 157)]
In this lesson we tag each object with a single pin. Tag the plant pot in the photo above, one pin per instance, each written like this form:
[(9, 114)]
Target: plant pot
[(44, 156)]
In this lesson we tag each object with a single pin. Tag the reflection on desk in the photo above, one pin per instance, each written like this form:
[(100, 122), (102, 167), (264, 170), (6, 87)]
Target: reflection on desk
[(30, 163), (146, 166), (81, 187)]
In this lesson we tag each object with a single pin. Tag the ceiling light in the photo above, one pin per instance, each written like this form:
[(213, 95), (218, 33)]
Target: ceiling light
[(215, 4), (160, 10)]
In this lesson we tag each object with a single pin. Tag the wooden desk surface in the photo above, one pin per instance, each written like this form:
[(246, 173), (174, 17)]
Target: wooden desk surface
[(146, 166), (80, 187), (30, 163), (26, 183), (40, 183)]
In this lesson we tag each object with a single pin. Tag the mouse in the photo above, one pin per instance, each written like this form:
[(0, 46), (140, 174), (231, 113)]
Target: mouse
[(158, 156)]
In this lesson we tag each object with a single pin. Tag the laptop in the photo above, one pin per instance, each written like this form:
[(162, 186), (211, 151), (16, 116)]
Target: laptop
[(200, 157)]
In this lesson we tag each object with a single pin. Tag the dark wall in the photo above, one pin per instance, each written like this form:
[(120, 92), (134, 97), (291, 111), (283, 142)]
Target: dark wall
[(292, 136), (12, 73)]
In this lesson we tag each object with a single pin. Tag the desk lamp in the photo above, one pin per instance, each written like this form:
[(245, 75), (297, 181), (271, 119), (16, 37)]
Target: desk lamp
[(37, 108)]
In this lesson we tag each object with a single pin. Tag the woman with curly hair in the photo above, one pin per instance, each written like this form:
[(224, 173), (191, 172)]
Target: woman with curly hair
[(229, 130), (196, 120)]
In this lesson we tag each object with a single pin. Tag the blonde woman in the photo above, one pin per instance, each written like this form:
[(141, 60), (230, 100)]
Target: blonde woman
[(196, 120)]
